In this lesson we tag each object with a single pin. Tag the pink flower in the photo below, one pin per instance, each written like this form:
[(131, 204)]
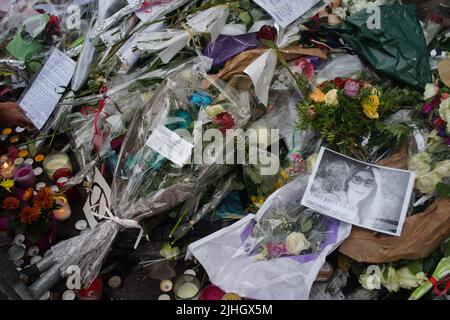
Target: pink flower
[(13, 152), (276, 250), (351, 89), (444, 96), (311, 112), (303, 66)]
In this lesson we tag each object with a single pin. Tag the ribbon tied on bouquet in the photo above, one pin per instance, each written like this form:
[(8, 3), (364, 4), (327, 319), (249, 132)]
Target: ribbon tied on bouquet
[(126, 223)]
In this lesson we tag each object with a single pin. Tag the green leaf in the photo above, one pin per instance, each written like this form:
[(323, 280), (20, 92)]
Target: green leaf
[(245, 4), (443, 190), (415, 267), (306, 226), (245, 17), (234, 5), (446, 248), (256, 14)]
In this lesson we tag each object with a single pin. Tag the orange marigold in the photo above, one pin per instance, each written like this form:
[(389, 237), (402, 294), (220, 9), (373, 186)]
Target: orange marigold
[(44, 198), (29, 215), (28, 194), (10, 203)]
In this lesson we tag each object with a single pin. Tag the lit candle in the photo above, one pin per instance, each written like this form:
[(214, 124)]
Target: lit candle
[(63, 213), (7, 167), (14, 139), (56, 161), (23, 153), (39, 158), (7, 131), (25, 177)]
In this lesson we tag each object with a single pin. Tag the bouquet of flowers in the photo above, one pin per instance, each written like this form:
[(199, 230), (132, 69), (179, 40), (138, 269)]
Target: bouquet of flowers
[(284, 228), (30, 214), (437, 108), (349, 115), (151, 178)]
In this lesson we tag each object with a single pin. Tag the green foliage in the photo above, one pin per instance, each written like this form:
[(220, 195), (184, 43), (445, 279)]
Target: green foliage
[(345, 126), (443, 190)]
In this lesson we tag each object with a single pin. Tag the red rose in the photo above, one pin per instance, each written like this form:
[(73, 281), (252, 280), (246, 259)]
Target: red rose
[(267, 33), (225, 121), (339, 82)]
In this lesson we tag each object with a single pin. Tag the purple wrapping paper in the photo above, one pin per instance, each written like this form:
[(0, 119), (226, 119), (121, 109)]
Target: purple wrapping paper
[(226, 47)]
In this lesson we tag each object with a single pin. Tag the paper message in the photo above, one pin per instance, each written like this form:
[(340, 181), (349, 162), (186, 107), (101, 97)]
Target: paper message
[(286, 11), (41, 98), (170, 145), (98, 200)]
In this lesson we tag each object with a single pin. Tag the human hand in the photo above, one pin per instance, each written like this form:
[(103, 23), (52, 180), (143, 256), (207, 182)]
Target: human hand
[(11, 114)]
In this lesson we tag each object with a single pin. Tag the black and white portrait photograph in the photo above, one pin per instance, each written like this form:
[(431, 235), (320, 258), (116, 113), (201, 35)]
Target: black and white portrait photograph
[(359, 193)]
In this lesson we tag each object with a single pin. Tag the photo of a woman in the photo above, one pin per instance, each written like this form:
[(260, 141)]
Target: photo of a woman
[(359, 193)]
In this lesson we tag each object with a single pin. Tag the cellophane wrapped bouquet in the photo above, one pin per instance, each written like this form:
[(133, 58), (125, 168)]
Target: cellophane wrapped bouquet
[(146, 182)]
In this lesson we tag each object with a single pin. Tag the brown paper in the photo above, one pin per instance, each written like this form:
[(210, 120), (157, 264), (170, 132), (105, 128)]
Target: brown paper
[(398, 160), (239, 63), (422, 234), (444, 71)]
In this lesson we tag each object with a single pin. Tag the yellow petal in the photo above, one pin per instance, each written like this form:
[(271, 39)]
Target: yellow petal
[(317, 95)]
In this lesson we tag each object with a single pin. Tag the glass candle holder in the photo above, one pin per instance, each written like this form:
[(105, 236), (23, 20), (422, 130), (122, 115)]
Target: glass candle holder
[(25, 177), (187, 287), (63, 213), (7, 167), (55, 162)]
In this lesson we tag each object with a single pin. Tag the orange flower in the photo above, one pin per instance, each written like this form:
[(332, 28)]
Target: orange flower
[(10, 203), (28, 194), (29, 215), (317, 95), (44, 198)]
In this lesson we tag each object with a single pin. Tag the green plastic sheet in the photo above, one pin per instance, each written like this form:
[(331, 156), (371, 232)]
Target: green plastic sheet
[(396, 49)]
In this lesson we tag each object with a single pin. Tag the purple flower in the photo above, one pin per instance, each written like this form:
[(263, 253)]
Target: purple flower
[(428, 107), (447, 141), (351, 89)]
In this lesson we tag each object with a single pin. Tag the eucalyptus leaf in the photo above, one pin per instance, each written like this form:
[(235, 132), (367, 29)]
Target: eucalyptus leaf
[(415, 267), (306, 226)]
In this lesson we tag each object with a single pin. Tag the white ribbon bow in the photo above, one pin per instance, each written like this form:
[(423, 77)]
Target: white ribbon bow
[(127, 223)]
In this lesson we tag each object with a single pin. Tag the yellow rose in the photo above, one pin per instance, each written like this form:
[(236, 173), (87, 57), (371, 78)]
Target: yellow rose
[(370, 106), (214, 110), (317, 95), (331, 98)]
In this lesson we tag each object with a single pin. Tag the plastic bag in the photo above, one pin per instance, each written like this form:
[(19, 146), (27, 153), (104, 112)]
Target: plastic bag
[(280, 278), (340, 65), (396, 47)]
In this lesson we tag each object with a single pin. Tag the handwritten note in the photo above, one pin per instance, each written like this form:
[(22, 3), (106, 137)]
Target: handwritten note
[(41, 98), (170, 145), (286, 11)]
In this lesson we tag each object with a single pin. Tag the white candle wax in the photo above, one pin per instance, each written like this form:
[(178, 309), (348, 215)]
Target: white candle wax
[(187, 290)]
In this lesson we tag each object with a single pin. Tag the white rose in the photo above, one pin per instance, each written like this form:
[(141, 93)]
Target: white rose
[(443, 168), (420, 163), (214, 110), (391, 282), (427, 183), (430, 91), (296, 242), (331, 98), (406, 279), (371, 280), (444, 112)]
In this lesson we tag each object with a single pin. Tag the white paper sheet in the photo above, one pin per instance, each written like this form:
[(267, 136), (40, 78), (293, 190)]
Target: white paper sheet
[(170, 145), (43, 95), (99, 199), (286, 11)]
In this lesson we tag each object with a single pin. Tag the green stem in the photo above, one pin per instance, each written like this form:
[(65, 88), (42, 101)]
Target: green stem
[(43, 138)]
